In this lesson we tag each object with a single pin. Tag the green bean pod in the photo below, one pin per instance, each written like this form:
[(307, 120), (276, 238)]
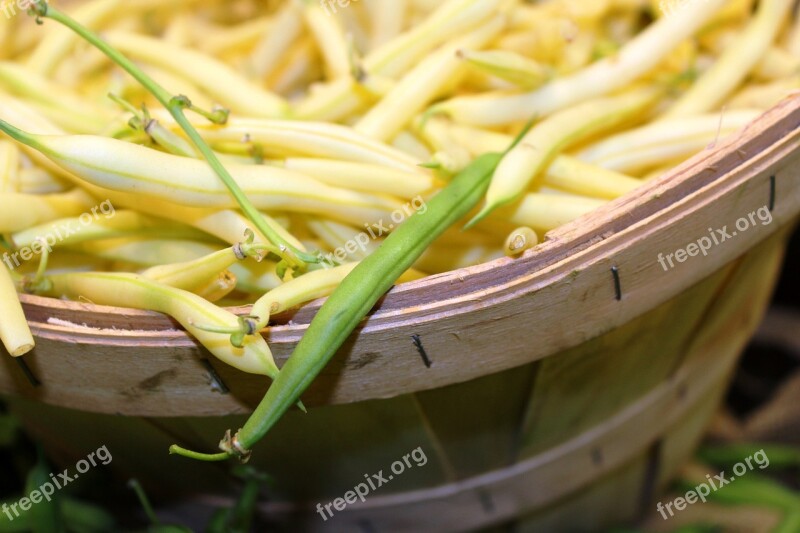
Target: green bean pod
[(357, 294)]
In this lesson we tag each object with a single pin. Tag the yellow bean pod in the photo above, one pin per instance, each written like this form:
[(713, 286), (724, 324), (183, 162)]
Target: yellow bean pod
[(313, 139), (19, 211), (364, 177), (217, 79), (423, 83), (137, 292), (122, 166), (636, 58), (541, 144), (545, 212), (14, 330), (664, 141)]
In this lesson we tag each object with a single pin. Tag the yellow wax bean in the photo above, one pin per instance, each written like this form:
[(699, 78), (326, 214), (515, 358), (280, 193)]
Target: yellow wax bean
[(579, 177), (541, 144), (6, 36), (31, 85), (451, 19), (793, 37), (9, 167), (364, 177), (137, 292), (387, 19), (422, 84), (763, 96), (284, 28), (19, 211), (14, 330), (507, 65), (343, 97), (107, 224), (337, 236), (664, 141), (218, 288), (222, 40), (59, 41), (313, 139), (565, 172), (636, 58), (123, 166), (410, 144), (217, 79), (227, 225), (309, 286), (519, 240), (735, 63), (146, 252), (36, 180), (438, 259), (300, 68), (193, 275), (548, 211), (256, 278), (330, 38), (777, 63)]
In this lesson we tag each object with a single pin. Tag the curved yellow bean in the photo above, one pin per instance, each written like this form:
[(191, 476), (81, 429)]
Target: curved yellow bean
[(14, 330), (423, 83), (545, 212), (19, 211), (137, 292), (541, 144), (216, 78), (736, 61), (364, 177), (118, 165), (636, 57)]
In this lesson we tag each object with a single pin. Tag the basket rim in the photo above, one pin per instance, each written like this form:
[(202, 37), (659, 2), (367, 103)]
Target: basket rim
[(472, 322)]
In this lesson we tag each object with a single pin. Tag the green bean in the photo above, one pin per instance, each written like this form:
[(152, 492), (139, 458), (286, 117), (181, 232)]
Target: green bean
[(353, 299), (45, 516), (789, 524)]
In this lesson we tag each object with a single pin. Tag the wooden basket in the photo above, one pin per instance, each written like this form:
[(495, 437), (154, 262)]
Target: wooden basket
[(562, 388)]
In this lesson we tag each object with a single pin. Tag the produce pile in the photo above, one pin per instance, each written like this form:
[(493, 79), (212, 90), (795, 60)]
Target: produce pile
[(183, 156)]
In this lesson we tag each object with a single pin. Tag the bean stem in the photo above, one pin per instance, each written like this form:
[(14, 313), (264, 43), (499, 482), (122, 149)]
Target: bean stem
[(176, 106)]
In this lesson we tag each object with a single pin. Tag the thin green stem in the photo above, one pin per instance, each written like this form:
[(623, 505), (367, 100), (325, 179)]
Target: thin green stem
[(176, 105), (208, 457), (145, 501)]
